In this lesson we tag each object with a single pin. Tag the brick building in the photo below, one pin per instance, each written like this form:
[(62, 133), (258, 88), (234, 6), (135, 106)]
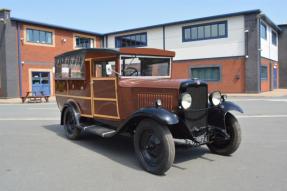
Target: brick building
[(27, 53), (235, 52)]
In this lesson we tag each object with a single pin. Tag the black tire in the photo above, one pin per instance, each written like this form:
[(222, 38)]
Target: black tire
[(154, 146), (227, 147), (72, 131)]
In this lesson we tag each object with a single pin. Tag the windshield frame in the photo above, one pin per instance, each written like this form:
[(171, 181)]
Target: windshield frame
[(144, 77)]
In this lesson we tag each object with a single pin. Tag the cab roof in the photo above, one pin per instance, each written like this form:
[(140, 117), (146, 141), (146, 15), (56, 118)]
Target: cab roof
[(94, 52)]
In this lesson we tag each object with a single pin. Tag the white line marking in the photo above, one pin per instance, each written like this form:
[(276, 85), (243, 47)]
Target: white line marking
[(259, 99), (29, 119), (42, 108), (26, 104), (261, 116)]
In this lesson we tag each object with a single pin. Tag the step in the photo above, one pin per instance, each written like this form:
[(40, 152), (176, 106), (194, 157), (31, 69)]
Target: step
[(100, 130)]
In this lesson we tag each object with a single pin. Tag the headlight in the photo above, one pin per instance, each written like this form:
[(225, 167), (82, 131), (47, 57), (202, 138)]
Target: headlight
[(186, 100), (215, 98)]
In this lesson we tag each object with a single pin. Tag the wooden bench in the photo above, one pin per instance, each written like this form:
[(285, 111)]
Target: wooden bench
[(33, 98)]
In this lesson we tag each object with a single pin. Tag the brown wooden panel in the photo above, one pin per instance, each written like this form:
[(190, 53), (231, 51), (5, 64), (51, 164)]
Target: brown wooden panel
[(61, 87), (106, 108), (79, 88), (85, 106), (104, 89)]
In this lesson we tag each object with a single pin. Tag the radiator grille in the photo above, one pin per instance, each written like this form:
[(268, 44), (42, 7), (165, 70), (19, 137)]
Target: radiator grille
[(148, 100), (196, 117)]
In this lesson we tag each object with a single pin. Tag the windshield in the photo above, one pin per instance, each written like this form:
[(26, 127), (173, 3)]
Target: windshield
[(143, 66)]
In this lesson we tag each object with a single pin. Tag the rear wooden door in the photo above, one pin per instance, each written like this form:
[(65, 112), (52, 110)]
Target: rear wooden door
[(104, 91)]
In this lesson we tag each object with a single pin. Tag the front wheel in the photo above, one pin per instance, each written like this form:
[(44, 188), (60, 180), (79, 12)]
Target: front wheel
[(227, 147), (154, 147), (71, 129)]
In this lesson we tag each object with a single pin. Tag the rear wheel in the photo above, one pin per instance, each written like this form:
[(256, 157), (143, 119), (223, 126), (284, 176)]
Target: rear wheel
[(72, 131), (227, 147), (154, 147)]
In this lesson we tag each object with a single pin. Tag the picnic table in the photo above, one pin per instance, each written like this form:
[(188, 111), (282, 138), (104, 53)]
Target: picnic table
[(34, 98)]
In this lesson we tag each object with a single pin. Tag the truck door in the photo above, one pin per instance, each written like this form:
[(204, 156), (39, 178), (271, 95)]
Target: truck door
[(104, 91)]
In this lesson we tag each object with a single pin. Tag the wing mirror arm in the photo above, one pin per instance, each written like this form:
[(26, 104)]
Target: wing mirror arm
[(110, 71)]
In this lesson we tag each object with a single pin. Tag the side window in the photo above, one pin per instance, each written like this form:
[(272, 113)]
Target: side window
[(100, 71), (70, 67)]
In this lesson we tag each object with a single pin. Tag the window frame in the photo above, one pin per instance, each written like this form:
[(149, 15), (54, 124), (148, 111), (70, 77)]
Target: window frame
[(207, 66), (130, 35), (63, 61), (40, 29), (274, 43), (265, 27), (265, 78), (204, 25), (146, 77), (75, 35)]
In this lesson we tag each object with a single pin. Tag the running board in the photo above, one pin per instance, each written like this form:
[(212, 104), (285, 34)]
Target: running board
[(99, 130)]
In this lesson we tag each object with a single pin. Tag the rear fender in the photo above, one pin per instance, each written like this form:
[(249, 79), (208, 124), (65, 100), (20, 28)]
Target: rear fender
[(70, 104)]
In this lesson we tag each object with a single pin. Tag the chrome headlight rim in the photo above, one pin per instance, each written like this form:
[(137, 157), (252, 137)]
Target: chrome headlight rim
[(186, 101), (215, 98)]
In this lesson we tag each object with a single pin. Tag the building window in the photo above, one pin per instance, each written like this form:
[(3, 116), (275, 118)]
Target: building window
[(39, 36), (133, 40), (263, 72), (274, 38), (205, 31), (84, 42), (263, 31), (206, 73)]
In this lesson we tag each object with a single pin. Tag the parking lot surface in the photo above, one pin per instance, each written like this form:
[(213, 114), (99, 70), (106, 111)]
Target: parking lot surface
[(36, 156)]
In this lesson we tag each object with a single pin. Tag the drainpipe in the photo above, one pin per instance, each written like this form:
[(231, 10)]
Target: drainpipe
[(163, 36), (259, 50), (19, 57)]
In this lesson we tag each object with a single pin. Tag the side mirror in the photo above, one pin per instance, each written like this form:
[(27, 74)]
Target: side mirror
[(109, 69)]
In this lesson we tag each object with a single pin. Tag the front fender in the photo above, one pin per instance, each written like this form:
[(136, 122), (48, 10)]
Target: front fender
[(217, 115), (159, 115), (230, 106)]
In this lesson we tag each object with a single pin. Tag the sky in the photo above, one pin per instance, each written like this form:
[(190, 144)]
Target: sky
[(113, 15)]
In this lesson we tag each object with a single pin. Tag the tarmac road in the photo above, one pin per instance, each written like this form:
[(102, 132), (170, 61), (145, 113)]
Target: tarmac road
[(35, 155)]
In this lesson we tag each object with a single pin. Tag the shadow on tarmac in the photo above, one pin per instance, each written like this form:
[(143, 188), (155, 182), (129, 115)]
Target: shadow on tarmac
[(120, 148)]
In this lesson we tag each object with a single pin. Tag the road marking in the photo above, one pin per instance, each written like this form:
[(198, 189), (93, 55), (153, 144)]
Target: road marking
[(261, 116), (29, 119), (259, 99), (42, 108), (26, 104)]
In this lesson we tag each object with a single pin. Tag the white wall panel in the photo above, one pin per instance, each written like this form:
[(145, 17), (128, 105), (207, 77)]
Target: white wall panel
[(233, 45), (268, 50)]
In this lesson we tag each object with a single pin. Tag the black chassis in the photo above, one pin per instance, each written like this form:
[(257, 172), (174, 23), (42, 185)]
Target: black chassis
[(214, 128), (216, 121)]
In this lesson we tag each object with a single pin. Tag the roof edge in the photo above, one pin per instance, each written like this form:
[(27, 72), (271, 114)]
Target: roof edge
[(270, 22), (255, 11), (54, 26)]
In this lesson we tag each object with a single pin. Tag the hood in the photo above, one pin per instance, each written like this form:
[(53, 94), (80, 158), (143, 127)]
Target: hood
[(152, 83)]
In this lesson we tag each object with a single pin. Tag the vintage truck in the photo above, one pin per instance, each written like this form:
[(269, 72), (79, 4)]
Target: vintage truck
[(130, 90)]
